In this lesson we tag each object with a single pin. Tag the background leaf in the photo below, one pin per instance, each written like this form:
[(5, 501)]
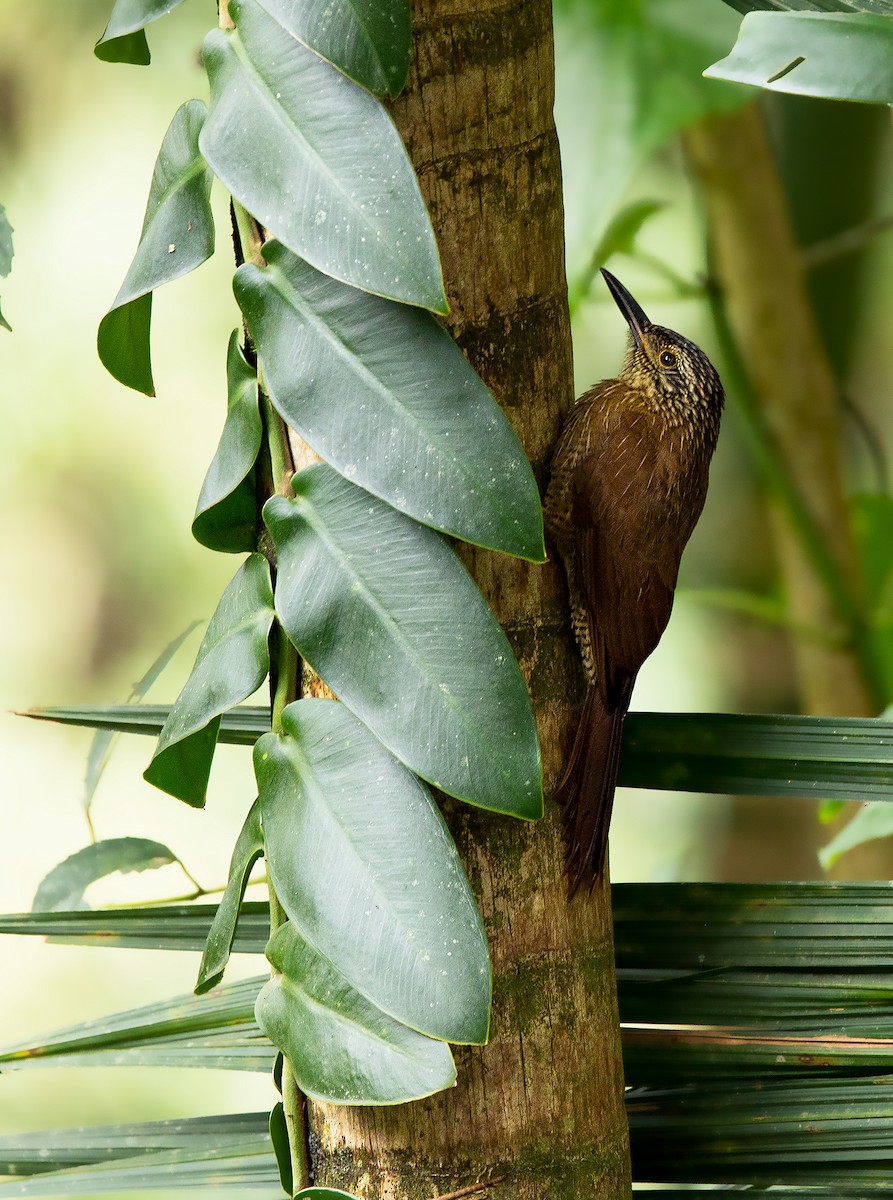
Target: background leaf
[(226, 513), (356, 217), (401, 926), (841, 56), (248, 849), (123, 39), (872, 821), (628, 77), (6, 253), (414, 424), (232, 662), (104, 739), (343, 1049), (369, 40), (177, 236), (389, 618), (63, 888)]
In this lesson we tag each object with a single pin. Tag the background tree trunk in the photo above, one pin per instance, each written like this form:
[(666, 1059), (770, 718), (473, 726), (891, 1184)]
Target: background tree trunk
[(541, 1106)]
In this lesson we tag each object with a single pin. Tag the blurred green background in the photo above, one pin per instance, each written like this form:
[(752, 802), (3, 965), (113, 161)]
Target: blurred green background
[(98, 484)]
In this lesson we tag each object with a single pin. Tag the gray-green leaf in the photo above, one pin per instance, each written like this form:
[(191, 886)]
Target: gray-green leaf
[(63, 888), (841, 56), (226, 513), (369, 40), (336, 187), (6, 253), (177, 236), (390, 619), (343, 1049), (232, 662), (365, 867), (413, 423), (248, 849), (123, 39)]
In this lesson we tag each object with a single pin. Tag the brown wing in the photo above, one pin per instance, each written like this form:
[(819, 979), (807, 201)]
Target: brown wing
[(627, 545)]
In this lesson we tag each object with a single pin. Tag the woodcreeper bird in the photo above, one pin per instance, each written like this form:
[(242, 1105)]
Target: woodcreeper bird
[(628, 483)]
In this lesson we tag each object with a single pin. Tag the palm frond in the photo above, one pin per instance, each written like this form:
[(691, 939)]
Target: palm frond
[(726, 753)]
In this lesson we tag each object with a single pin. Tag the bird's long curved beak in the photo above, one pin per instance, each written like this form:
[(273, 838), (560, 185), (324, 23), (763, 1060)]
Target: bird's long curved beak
[(630, 307)]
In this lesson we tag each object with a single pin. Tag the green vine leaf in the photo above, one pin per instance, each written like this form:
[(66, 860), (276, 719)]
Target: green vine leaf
[(281, 1147), (177, 237), (63, 888), (226, 514), (369, 40), (414, 424), (401, 926), (248, 849), (123, 39), (342, 1049), (324, 1193), (232, 662), (354, 212), (386, 614), (840, 56)]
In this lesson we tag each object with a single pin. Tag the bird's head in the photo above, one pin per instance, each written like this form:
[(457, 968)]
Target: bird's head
[(672, 372)]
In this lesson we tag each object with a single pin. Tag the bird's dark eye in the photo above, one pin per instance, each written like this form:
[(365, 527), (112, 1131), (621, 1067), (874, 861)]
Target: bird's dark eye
[(668, 359)]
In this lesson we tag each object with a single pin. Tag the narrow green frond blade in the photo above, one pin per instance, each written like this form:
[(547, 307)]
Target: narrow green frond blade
[(414, 423), (342, 1049), (232, 662), (676, 1056), (830, 1138), (217, 1031), (401, 924), (728, 753), (222, 1163), (356, 216), (703, 926), (165, 927), (177, 236), (248, 849), (239, 726), (814, 757), (63, 888), (387, 615), (226, 513), (37, 1153)]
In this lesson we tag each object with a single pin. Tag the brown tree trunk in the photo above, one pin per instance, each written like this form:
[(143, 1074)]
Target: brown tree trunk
[(540, 1108)]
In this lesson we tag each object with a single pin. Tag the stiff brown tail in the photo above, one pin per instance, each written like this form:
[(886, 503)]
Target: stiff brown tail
[(586, 793)]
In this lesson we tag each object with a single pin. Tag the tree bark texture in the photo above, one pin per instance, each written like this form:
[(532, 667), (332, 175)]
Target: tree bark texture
[(540, 1108), (759, 271)]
